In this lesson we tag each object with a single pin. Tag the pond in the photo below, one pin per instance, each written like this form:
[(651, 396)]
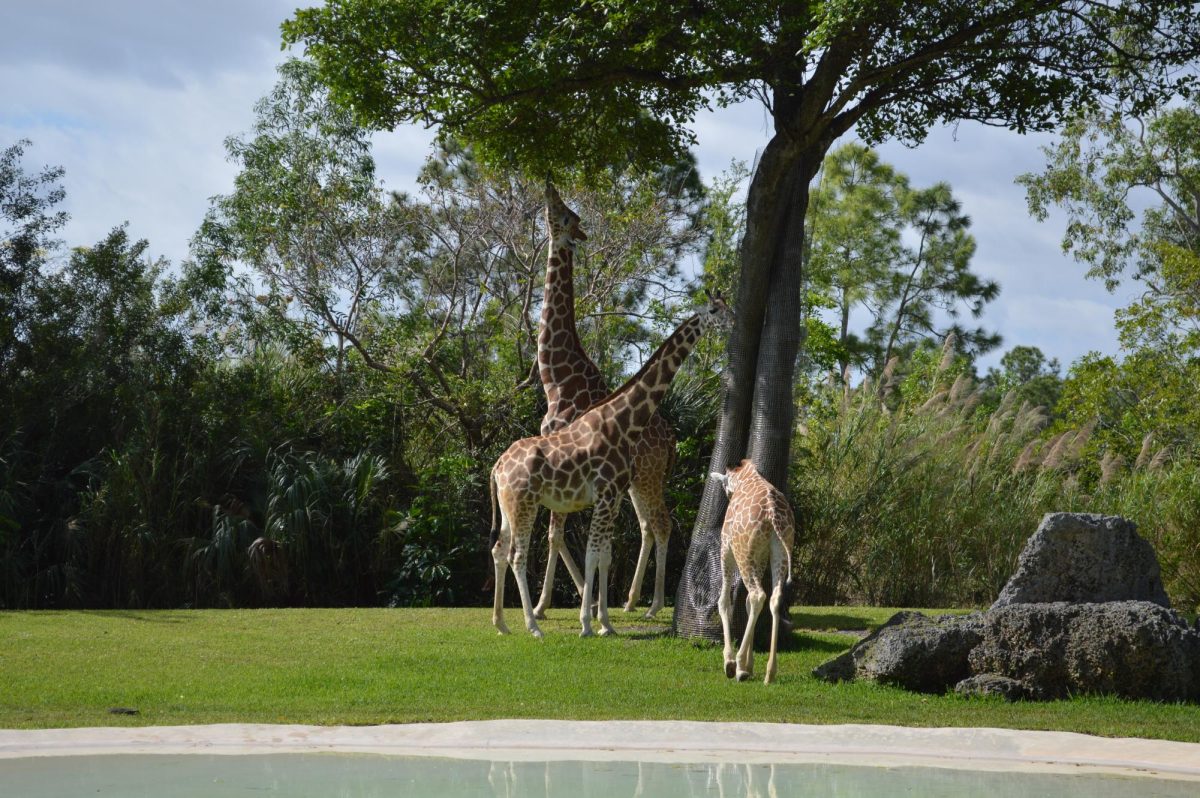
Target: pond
[(380, 776)]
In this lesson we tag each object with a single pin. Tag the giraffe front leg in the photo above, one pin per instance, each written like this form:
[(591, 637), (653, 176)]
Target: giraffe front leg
[(606, 627), (585, 608)]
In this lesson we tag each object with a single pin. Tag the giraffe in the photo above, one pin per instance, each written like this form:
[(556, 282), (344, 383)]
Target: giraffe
[(573, 383), (587, 462), (759, 528)]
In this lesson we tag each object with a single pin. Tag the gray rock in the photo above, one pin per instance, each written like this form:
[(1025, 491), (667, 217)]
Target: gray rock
[(1085, 557), (993, 684), (912, 651), (1134, 649)]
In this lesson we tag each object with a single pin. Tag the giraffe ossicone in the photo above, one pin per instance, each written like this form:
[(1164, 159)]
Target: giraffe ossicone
[(758, 531), (589, 462), (573, 383)]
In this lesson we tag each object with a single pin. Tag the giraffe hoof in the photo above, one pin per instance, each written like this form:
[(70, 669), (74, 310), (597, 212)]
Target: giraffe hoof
[(587, 633), (502, 630), (537, 633), (608, 631), (729, 670), (768, 680), (539, 614), (630, 607), (743, 675)]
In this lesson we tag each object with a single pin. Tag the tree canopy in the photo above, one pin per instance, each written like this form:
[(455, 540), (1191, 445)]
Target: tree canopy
[(558, 83)]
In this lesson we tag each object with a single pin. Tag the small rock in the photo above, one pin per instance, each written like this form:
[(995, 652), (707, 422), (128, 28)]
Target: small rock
[(989, 684), (122, 711)]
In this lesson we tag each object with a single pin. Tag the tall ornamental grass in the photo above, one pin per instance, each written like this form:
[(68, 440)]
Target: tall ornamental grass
[(927, 499)]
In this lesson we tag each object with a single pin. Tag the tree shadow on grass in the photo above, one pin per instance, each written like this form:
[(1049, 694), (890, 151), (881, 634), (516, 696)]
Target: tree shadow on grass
[(135, 615), (834, 621)]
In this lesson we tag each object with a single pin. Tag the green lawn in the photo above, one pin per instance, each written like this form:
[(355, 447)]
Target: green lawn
[(393, 666)]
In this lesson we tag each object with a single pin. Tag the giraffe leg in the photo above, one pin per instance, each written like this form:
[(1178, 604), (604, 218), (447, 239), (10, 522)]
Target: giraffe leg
[(590, 559), (725, 605), (500, 561), (599, 538), (557, 548), (602, 614), (520, 560), (654, 520), (780, 563), (756, 597)]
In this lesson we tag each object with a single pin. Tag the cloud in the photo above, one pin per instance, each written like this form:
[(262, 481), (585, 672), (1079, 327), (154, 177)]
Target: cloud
[(165, 43)]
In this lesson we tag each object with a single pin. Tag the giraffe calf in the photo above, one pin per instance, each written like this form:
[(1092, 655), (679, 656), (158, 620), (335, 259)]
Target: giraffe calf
[(758, 530)]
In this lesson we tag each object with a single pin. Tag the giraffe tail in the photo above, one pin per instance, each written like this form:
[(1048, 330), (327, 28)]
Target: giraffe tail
[(494, 533)]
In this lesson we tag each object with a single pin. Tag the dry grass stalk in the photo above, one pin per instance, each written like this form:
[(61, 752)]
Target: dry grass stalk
[(997, 448), (887, 380), (934, 400), (1081, 440), (1007, 402), (947, 353), (962, 384), (1029, 457), (1111, 466), (1057, 449), (971, 402), (1144, 455), (1030, 420), (1160, 460)]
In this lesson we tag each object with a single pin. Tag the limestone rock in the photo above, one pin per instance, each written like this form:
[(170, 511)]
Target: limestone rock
[(993, 684), (912, 651), (1085, 558), (1134, 649)]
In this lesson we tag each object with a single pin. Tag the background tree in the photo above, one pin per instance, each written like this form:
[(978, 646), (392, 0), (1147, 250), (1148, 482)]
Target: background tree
[(1129, 181), (853, 238), (1026, 371), (878, 246), (617, 83)]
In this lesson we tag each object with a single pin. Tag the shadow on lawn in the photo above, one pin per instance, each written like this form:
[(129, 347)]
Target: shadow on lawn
[(833, 621), (157, 616)]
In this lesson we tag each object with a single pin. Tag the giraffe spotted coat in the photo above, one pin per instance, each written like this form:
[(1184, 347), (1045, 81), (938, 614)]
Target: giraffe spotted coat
[(758, 532)]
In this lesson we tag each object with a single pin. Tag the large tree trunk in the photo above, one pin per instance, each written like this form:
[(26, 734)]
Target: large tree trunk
[(757, 405)]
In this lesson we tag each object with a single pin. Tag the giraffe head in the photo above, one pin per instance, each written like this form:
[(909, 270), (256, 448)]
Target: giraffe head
[(717, 313), (562, 222), (734, 475)]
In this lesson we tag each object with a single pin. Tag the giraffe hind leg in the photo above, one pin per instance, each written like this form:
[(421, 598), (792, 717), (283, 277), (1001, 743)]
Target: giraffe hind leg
[(654, 520)]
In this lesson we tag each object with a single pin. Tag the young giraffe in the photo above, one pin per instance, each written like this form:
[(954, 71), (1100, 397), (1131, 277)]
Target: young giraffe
[(573, 383), (587, 462), (759, 528)]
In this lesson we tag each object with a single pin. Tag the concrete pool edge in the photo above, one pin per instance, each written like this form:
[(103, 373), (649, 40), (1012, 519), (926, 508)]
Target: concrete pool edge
[(650, 741)]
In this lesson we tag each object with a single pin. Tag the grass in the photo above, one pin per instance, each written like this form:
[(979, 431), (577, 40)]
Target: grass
[(367, 666)]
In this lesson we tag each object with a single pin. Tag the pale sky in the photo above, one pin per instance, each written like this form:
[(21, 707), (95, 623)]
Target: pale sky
[(134, 98)]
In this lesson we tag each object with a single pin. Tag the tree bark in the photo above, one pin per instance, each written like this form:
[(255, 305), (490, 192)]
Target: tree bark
[(757, 409)]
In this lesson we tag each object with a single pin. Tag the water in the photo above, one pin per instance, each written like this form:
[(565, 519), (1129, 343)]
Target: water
[(367, 776)]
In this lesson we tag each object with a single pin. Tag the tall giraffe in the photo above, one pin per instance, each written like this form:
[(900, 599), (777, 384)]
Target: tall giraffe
[(573, 383), (587, 462)]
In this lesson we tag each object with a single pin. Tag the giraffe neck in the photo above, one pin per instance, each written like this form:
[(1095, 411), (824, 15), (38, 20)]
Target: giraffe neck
[(559, 351), (635, 402)]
